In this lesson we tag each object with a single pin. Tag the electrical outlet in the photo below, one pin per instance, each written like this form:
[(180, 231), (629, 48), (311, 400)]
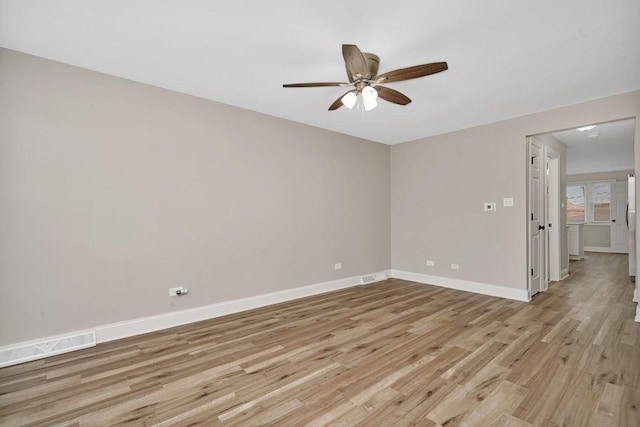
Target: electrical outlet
[(430, 263), (489, 206), (337, 266), (507, 201), (455, 266), (178, 291)]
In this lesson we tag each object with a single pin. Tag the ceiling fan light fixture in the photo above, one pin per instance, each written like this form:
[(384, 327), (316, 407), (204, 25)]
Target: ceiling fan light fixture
[(369, 104), (362, 72), (585, 128), (349, 100), (369, 94), (369, 98)]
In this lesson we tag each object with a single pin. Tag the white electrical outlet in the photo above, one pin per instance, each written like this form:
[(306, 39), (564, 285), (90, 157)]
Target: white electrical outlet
[(178, 291), (430, 263), (489, 206), (337, 266), (455, 266), (507, 202)]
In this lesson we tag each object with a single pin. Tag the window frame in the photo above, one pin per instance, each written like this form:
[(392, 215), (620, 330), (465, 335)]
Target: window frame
[(584, 196), (593, 203), (589, 205)]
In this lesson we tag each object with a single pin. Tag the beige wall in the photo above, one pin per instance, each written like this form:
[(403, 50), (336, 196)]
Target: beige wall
[(113, 191), (597, 236), (438, 186)]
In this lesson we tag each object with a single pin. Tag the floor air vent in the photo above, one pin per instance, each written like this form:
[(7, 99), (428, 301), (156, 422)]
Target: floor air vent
[(25, 352), (370, 278)]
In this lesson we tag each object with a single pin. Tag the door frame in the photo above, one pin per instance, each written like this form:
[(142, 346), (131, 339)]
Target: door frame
[(552, 217), (550, 248), (535, 259)]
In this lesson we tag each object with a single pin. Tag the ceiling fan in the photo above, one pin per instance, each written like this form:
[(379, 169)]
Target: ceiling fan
[(362, 70)]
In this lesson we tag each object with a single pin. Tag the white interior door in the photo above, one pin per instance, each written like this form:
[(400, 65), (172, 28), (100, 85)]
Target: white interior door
[(536, 238), (552, 221), (619, 232)]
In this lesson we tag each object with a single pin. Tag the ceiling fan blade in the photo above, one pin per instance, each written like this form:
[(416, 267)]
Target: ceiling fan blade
[(392, 95), (354, 61), (316, 84), (412, 72), (338, 102)]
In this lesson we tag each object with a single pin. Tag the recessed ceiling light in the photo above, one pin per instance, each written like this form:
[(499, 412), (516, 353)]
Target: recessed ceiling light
[(594, 135), (585, 128)]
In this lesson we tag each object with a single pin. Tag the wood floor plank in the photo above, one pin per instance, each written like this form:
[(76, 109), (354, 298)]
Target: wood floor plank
[(575, 407), (468, 395), (608, 410), (393, 353), (497, 407)]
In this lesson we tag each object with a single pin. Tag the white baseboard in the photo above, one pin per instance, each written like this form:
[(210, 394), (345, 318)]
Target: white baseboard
[(636, 295), (601, 250), (463, 285), (43, 347), (143, 325), (638, 313), (114, 331), (564, 274)]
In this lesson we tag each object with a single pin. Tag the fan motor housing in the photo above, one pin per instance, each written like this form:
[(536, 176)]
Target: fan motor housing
[(373, 62)]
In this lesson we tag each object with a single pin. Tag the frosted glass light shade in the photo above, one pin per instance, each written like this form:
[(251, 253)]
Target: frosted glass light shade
[(349, 100), (369, 104), (369, 94)]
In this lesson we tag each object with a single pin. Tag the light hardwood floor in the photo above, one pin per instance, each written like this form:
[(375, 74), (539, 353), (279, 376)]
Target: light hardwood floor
[(389, 354)]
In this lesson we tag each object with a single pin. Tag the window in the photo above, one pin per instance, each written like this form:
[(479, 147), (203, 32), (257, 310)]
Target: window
[(589, 202), (601, 202), (575, 203)]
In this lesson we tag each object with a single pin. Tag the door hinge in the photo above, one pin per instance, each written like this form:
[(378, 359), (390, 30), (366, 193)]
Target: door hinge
[(532, 157), (531, 217), (532, 271)]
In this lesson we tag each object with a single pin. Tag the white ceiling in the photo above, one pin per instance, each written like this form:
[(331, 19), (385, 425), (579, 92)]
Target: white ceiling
[(506, 58), (611, 150)]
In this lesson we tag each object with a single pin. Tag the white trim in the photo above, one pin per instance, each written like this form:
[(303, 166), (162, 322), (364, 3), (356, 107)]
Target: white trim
[(43, 347), (554, 245), (637, 319), (143, 325), (463, 285), (636, 295), (600, 249), (564, 273)]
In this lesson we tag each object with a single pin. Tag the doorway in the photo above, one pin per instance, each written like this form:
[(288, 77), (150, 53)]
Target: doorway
[(600, 156), (544, 212), (599, 159)]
